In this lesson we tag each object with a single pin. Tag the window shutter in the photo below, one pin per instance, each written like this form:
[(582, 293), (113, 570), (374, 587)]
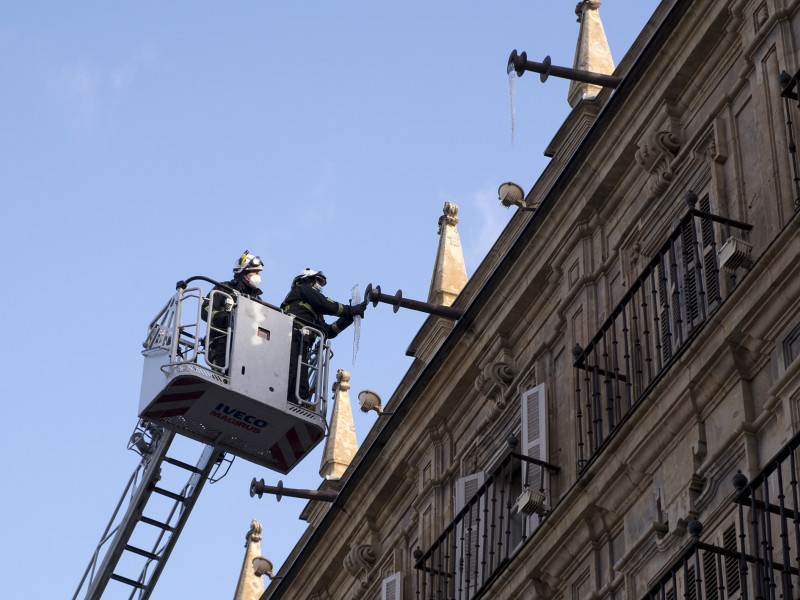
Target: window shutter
[(466, 487), (710, 573), (732, 574), (710, 261), (534, 442), (691, 584), (391, 587), (469, 542), (665, 315), (690, 283)]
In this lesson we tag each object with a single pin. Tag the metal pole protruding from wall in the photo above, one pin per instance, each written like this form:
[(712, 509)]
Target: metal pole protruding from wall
[(397, 301), (519, 63), (258, 487)]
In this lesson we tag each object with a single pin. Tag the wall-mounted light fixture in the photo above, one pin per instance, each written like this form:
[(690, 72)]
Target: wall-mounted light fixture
[(510, 194), (369, 400), (263, 566)]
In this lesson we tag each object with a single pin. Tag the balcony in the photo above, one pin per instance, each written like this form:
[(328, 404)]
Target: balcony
[(759, 557), (769, 518), (494, 523), (656, 320), (703, 572)]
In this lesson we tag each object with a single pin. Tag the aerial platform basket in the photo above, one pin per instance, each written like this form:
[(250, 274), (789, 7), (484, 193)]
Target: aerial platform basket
[(226, 382)]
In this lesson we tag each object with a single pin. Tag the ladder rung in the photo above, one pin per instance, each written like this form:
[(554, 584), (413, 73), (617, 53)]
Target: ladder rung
[(141, 552), (130, 582), (168, 494), (182, 464), (155, 523)]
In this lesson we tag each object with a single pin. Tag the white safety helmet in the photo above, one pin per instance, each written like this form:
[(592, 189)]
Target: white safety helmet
[(247, 263), (318, 276)]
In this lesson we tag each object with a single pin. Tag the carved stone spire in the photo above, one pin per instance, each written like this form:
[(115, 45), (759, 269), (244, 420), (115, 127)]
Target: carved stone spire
[(341, 445), (449, 272), (592, 53), (250, 586)]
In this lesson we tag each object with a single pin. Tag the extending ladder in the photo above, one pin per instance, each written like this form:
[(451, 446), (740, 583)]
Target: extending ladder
[(137, 542)]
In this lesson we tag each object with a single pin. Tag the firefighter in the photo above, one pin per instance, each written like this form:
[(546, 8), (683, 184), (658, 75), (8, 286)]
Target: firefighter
[(308, 304), (246, 279)]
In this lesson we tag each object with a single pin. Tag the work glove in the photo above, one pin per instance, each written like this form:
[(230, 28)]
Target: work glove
[(228, 304), (357, 310)]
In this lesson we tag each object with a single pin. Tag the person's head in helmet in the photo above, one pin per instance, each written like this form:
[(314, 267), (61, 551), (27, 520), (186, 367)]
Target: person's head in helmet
[(248, 269), (316, 279)]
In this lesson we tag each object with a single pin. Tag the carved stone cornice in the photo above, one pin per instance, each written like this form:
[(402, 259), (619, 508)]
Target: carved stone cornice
[(359, 563), (496, 372), (493, 381), (655, 154)]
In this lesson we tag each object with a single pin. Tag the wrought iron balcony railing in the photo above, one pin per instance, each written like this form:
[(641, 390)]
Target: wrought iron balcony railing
[(654, 322), (486, 532), (769, 517), (760, 558), (704, 571)]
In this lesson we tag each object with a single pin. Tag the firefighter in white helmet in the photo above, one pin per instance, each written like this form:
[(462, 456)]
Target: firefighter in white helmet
[(308, 304), (246, 281), (247, 275)]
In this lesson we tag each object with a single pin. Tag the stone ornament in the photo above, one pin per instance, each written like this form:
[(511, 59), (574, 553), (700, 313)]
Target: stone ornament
[(359, 563), (655, 155)]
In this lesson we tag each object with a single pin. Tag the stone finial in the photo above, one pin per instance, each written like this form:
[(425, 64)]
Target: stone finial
[(449, 273), (592, 53), (250, 586), (254, 535), (341, 445), (342, 381), (450, 216)]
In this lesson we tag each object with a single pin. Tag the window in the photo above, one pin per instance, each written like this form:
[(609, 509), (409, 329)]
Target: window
[(391, 587), (791, 348), (469, 542), (534, 445)]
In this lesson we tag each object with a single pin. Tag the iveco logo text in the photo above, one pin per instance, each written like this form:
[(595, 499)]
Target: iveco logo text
[(238, 418)]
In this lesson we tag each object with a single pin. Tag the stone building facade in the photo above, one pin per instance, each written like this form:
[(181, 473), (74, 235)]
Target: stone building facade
[(615, 414)]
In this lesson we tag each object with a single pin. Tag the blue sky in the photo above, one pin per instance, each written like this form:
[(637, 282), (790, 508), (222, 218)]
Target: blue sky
[(145, 143)]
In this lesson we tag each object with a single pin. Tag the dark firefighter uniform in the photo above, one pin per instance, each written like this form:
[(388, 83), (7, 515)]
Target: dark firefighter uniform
[(309, 305), (221, 318)]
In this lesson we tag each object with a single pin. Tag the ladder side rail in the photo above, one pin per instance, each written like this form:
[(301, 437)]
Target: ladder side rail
[(176, 330), (187, 342), (325, 358), (317, 368), (156, 552), (109, 531), (159, 326), (300, 363), (197, 325), (131, 517), (168, 321), (206, 463), (213, 329)]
